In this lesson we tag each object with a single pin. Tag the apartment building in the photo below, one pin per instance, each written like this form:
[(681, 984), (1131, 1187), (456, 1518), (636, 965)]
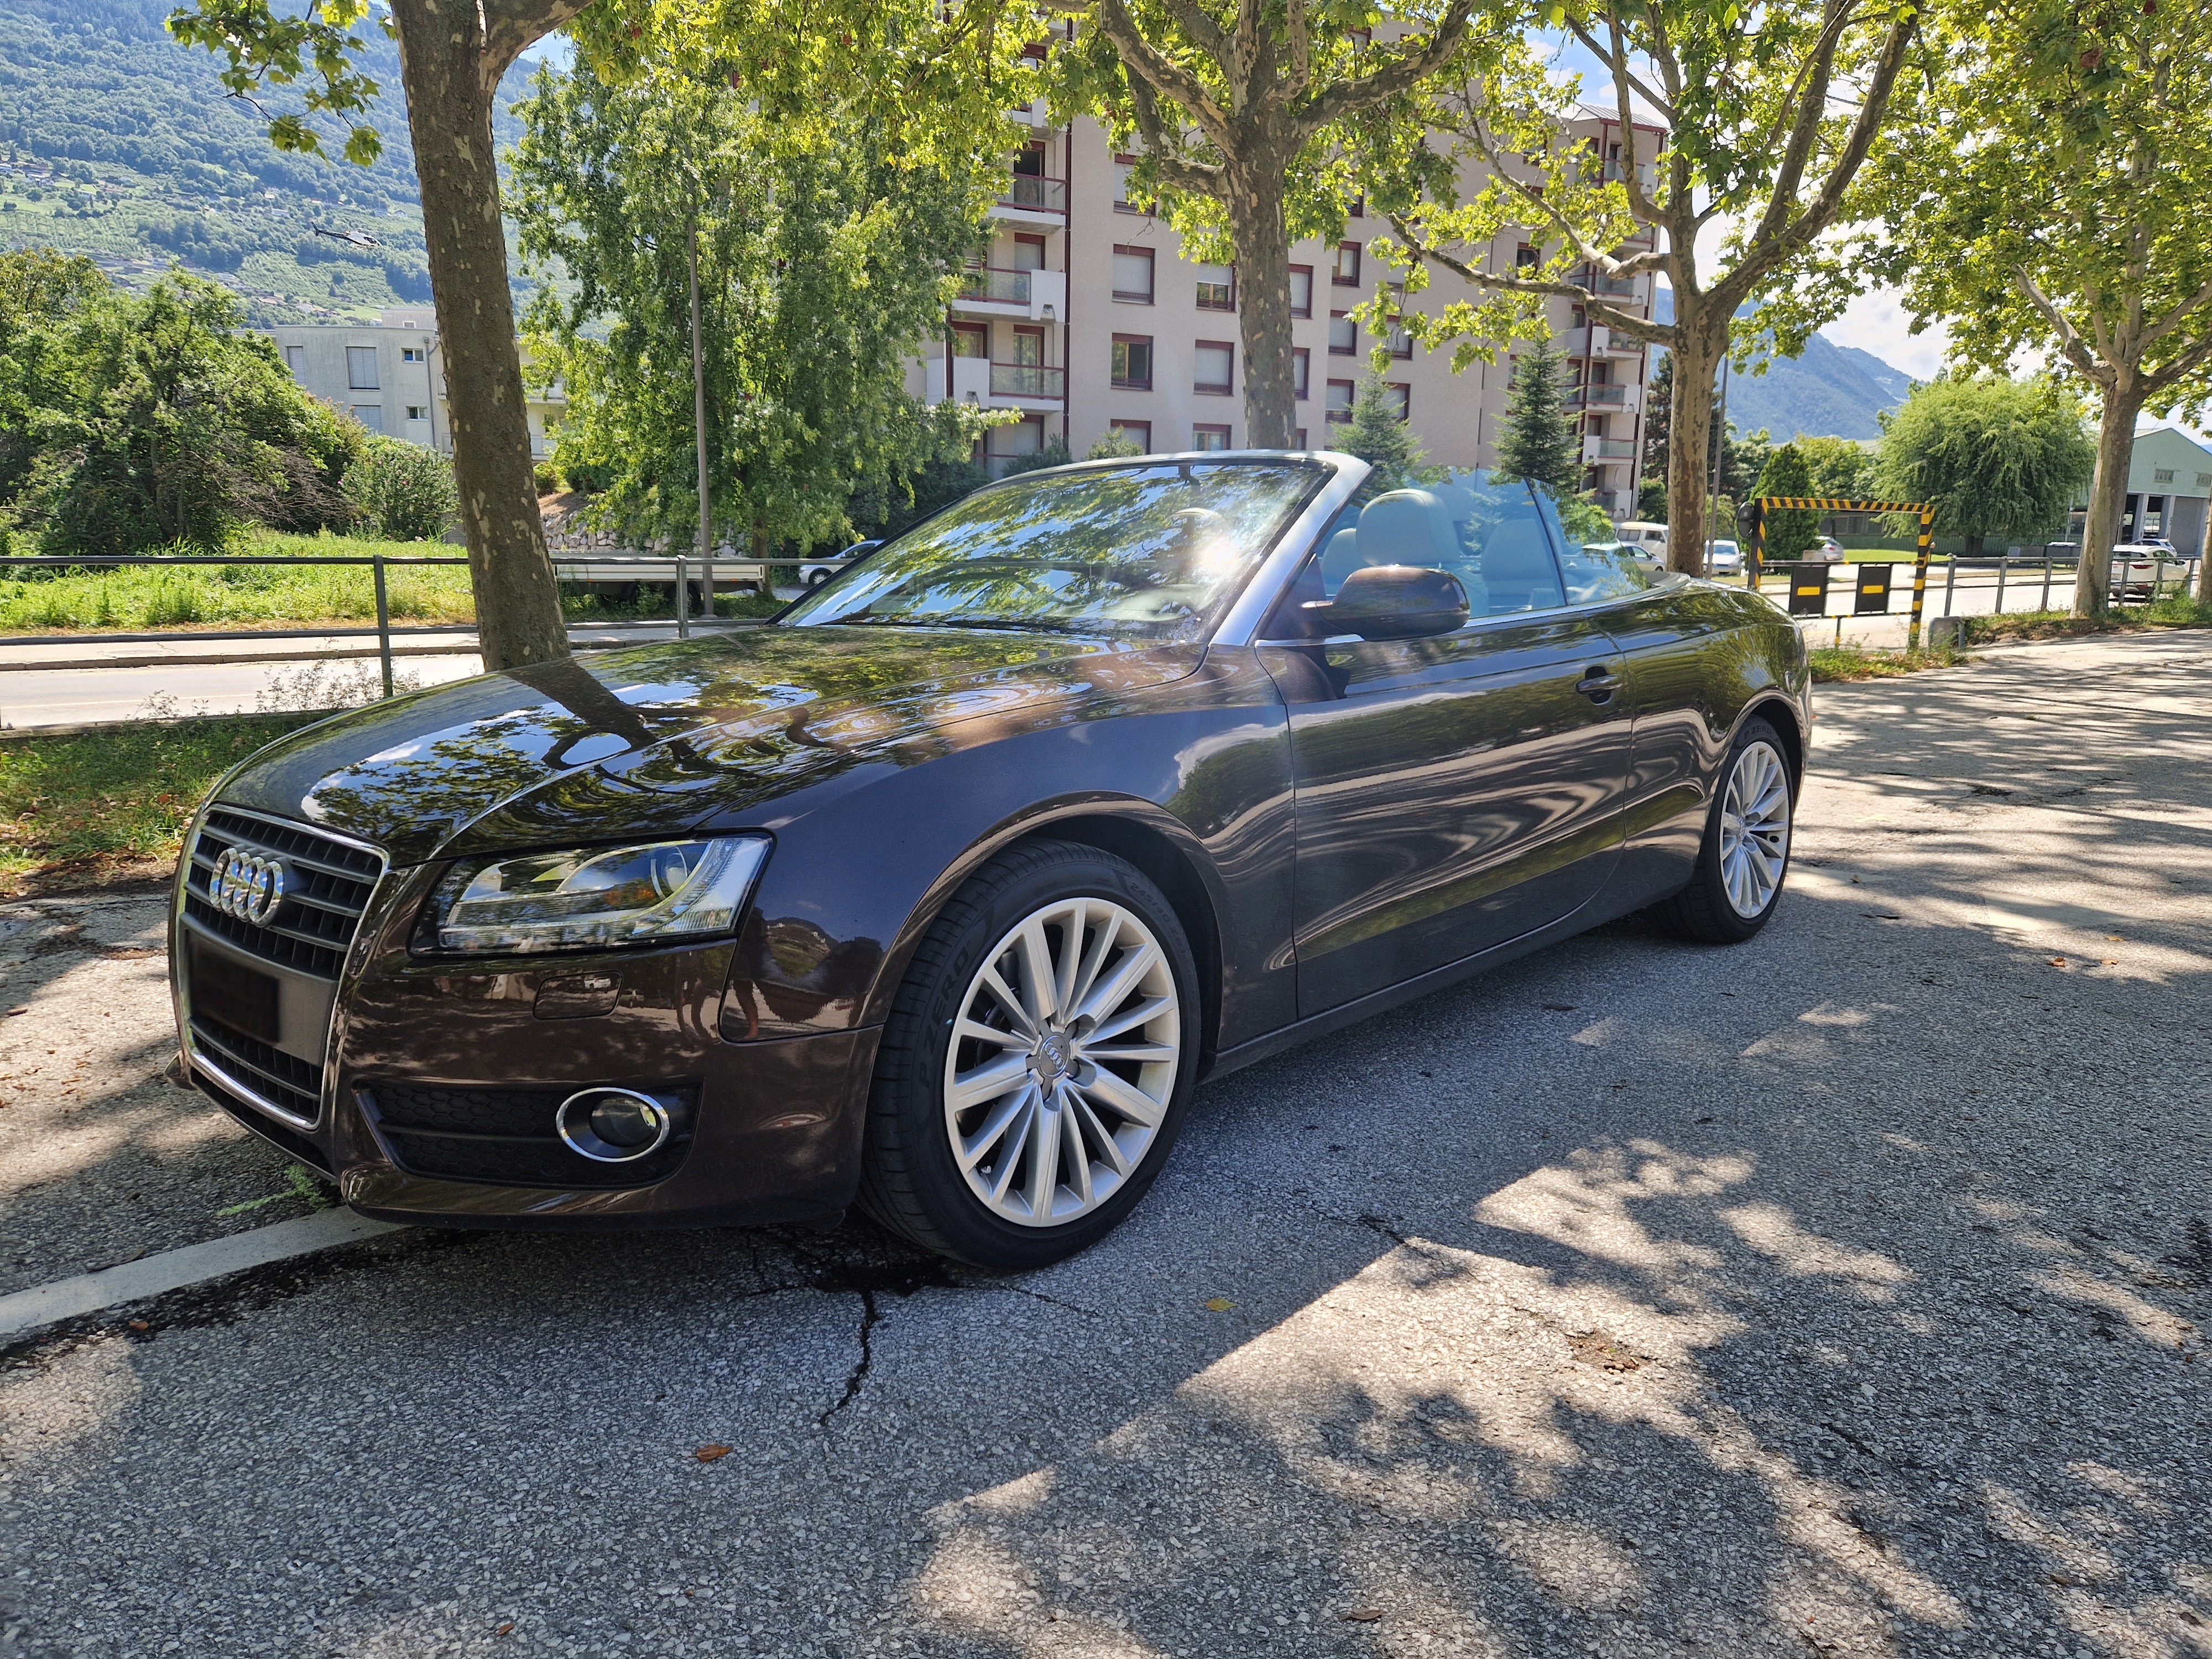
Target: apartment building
[(390, 376), (1086, 318)]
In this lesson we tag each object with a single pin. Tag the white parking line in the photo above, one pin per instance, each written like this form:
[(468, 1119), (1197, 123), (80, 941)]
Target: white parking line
[(173, 1270)]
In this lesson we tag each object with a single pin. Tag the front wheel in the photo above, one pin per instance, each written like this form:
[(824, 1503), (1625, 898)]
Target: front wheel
[(1745, 851), (1036, 1063)]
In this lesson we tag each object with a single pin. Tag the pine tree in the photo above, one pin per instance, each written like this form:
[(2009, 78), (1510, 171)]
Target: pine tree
[(1380, 437), (1540, 442)]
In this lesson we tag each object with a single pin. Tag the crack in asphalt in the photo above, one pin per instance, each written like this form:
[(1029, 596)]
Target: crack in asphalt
[(871, 1316)]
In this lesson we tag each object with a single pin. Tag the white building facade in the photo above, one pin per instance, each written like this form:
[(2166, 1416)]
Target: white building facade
[(1086, 318), (390, 376)]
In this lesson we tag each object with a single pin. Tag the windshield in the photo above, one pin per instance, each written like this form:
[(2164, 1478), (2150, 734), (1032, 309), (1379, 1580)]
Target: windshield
[(1153, 550)]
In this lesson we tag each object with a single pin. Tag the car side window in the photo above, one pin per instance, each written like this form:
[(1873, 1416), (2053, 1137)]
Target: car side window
[(1597, 570), (1489, 536)]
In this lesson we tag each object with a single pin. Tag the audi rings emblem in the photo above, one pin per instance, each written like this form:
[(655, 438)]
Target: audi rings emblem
[(247, 885)]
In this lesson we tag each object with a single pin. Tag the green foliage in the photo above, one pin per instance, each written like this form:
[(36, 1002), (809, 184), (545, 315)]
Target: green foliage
[(2000, 458), (139, 422), (1114, 447), (1790, 529), (403, 492), (885, 510), (1055, 453), (2049, 194), (1377, 436), (1540, 442), (1839, 468), (823, 265)]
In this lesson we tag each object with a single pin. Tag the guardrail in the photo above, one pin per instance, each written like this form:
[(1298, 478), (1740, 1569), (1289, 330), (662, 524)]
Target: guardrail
[(677, 568)]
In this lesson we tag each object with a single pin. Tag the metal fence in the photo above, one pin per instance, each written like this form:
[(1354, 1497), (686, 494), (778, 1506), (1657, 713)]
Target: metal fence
[(2010, 583), (679, 569)]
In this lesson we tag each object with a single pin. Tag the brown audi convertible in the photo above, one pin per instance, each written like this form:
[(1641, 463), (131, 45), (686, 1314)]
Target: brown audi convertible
[(941, 893)]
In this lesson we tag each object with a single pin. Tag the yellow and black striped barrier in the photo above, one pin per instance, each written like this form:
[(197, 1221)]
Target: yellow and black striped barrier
[(1925, 510)]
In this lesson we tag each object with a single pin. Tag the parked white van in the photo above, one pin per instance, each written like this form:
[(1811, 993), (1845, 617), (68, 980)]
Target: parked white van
[(1650, 539)]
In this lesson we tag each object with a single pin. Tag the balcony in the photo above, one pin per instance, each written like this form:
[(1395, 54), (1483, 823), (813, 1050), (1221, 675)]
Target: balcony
[(1027, 381), (1617, 288), (1598, 397), (1608, 449), (1606, 343), (1031, 199), (997, 291)]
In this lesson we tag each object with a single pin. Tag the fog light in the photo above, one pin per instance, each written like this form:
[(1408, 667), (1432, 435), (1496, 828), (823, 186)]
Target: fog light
[(613, 1126)]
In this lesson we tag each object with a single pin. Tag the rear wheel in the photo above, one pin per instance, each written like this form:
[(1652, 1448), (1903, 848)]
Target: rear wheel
[(1036, 1066), (1745, 852)]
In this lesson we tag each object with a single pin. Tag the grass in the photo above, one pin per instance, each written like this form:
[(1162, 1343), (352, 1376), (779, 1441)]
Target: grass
[(113, 806), (147, 598), (2175, 611), (1832, 662)]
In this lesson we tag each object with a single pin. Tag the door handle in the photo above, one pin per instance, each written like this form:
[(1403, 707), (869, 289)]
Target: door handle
[(1598, 683)]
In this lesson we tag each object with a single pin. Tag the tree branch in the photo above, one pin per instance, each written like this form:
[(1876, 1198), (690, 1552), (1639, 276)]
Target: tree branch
[(1169, 80), (512, 26), (2070, 343), (1401, 75), (1598, 310), (1661, 106), (1176, 171)]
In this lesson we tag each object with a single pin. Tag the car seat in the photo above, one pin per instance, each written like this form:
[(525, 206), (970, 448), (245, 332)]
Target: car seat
[(1411, 526), (1517, 568)]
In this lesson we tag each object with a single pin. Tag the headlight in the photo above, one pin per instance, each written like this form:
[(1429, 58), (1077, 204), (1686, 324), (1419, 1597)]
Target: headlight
[(594, 899)]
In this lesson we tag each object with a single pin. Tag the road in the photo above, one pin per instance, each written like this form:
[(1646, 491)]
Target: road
[(190, 679), (1841, 1293)]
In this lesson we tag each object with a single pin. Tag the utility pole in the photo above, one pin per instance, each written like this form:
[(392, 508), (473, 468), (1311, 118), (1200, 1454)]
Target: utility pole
[(699, 424)]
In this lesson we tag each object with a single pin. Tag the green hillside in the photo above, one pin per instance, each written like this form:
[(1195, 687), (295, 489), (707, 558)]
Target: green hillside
[(118, 144)]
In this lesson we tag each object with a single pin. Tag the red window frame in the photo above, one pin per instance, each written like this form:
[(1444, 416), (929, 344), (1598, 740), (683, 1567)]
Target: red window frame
[(1129, 296), (1297, 310), (1207, 388), (1128, 382)]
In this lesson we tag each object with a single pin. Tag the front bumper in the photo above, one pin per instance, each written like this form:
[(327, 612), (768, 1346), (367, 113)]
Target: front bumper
[(431, 1098)]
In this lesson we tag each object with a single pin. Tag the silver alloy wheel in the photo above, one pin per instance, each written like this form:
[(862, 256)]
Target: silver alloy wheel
[(1754, 829), (1062, 1062)]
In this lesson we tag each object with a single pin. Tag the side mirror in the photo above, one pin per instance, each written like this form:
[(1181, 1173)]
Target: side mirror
[(1393, 602)]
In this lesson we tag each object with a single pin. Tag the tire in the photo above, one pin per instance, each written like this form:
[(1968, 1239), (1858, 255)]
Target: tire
[(1713, 909), (1036, 1087)]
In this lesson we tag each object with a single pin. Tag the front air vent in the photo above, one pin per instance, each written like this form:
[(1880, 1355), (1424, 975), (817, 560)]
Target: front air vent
[(327, 889)]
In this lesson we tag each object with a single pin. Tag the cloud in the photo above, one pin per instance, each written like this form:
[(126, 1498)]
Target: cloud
[(1878, 322)]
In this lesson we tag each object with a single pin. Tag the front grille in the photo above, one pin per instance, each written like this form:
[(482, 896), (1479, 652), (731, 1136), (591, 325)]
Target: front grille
[(280, 1078), (502, 1136), (289, 1141), (329, 890)]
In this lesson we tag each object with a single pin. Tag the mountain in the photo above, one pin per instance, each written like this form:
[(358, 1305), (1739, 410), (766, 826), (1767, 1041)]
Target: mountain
[(1831, 391), (118, 142)]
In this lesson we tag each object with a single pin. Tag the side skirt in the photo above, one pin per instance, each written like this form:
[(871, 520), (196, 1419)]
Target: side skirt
[(1609, 905)]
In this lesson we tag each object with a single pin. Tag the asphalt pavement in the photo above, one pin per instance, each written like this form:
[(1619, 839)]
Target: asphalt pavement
[(1840, 1293)]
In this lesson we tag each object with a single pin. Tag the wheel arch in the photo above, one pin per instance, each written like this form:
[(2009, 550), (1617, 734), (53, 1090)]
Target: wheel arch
[(1782, 715), (1136, 830)]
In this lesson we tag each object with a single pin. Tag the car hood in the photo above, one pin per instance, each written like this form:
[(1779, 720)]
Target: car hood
[(658, 738)]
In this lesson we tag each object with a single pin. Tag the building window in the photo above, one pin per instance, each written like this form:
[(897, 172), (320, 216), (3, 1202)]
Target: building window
[(1139, 433), (411, 354), (1123, 167), (361, 369), (1345, 272), (1216, 288), (2162, 475), (1398, 399), (1029, 346), (1343, 335), (1302, 438), (1215, 366), (1525, 257), (1132, 274), (295, 358), (417, 412), (971, 339), (1025, 437), (1401, 342), (1357, 208), (370, 416), (1338, 407), (1028, 252), (1301, 372), (1029, 163), (1301, 290), (1209, 437), (1132, 361)]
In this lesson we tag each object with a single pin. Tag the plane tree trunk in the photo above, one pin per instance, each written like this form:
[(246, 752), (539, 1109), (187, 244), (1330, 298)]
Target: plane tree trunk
[(1258, 227), (2108, 491), (452, 70)]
